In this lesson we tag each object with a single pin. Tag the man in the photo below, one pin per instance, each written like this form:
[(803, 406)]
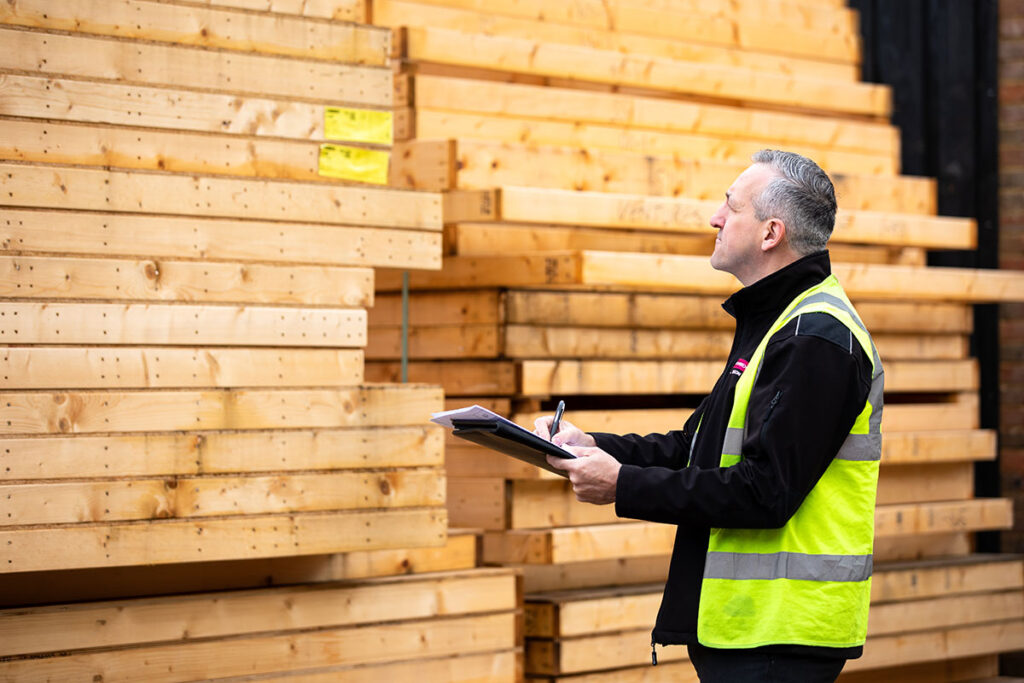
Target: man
[(771, 481)]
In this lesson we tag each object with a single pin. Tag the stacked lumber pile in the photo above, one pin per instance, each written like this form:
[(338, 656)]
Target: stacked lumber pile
[(192, 214), (581, 151)]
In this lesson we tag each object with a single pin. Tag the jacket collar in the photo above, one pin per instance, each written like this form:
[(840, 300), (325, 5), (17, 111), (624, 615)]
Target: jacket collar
[(770, 295)]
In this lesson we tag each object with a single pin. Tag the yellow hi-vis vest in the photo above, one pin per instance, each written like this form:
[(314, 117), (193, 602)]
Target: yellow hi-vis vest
[(808, 582)]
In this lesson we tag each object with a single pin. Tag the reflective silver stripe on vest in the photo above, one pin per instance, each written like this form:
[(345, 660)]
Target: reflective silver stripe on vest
[(733, 444), (798, 566), (861, 447)]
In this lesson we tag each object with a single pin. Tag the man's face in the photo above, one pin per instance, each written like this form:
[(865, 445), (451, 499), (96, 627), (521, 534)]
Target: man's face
[(740, 234)]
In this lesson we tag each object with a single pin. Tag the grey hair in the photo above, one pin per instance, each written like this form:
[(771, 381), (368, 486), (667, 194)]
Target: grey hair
[(801, 195)]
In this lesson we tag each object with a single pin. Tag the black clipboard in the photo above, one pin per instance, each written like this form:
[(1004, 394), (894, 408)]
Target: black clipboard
[(512, 440)]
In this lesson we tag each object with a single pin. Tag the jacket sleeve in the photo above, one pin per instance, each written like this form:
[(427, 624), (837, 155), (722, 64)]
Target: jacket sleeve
[(664, 450), (806, 398)]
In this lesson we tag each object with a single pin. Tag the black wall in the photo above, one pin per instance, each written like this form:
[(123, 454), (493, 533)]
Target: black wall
[(941, 58)]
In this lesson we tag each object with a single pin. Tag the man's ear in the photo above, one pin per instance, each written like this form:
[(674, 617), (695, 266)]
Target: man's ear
[(773, 235)]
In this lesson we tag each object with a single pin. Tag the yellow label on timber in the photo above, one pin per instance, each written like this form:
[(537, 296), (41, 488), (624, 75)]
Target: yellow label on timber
[(358, 125), (354, 163)]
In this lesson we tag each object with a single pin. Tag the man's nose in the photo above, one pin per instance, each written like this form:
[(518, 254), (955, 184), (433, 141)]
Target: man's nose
[(717, 220)]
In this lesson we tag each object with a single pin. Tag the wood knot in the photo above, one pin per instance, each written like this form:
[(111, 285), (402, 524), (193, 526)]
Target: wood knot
[(152, 270), (385, 487)]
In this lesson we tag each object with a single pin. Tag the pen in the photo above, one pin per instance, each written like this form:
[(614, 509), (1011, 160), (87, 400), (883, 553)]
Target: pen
[(558, 418)]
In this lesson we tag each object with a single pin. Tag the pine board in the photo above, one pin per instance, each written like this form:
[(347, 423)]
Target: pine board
[(206, 27), (194, 453), (178, 66), (89, 233)]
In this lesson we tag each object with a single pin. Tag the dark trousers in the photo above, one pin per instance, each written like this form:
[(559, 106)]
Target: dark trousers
[(758, 666)]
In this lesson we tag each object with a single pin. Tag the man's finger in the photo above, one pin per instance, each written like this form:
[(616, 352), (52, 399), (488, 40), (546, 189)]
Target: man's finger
[(559, 463)]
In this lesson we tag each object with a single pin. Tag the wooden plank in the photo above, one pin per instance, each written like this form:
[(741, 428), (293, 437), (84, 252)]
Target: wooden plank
[(47, 187), (219, 496), (573, 575), (207, 27), (438, 124), (567, 377), (479, 164), (455, 341), (636, 539), (947, 671), (279, 653), (459, 378), (46, 277), (912, 484), (179, 324), (931, 546), (572, 105), (610, 210), (477, 463), (501, 667), (941, 644), (577, 655), (936, 578), (105, 583), (577, 544), (146, 236), (477, 502), (943, 517), (946, 612), (469, 307), (152, 410), (194, 453), (434, 45), (937, 431), (181, 66), (63, 628), (624, 32), (670, 310), (152, 150), (483, 239), (161, 542), (65, 367), (176, 109), (341, 10)]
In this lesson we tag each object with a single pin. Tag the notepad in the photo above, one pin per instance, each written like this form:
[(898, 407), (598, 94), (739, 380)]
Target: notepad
[(490, 430)]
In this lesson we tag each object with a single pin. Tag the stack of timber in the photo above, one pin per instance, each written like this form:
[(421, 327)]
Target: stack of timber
[(191, 212), (581, 151)]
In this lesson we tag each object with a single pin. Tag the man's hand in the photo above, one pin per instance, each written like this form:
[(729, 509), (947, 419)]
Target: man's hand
[(594, 474), (568, 433)]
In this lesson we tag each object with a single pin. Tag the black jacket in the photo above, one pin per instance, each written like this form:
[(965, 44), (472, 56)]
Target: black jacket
[(811, 388)]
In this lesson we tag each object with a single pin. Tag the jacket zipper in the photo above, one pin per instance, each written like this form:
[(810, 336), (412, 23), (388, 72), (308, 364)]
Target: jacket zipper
[(654, 654)]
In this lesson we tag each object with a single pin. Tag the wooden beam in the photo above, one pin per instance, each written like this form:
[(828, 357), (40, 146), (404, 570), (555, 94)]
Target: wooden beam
[(459, 552), (698, 37), (183, 498), (610, 210), (438, 124), (341, 10), (636, 112), (44, 277), (121, 623), (567, 377), (574, 575), (893, 583), (194, 453), (209, 27), (147, 411), (935, 644), (46, 187), (178, 66), (91, 233), (279, 653), (440, 46), (68, 367), (636, 539), (151, 542), (83, 144), (458, 378), (468, 164), (947, 481), (179, 324)]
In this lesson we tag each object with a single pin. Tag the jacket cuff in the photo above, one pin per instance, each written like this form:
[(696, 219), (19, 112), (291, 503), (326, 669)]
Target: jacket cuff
[(626, 501)]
